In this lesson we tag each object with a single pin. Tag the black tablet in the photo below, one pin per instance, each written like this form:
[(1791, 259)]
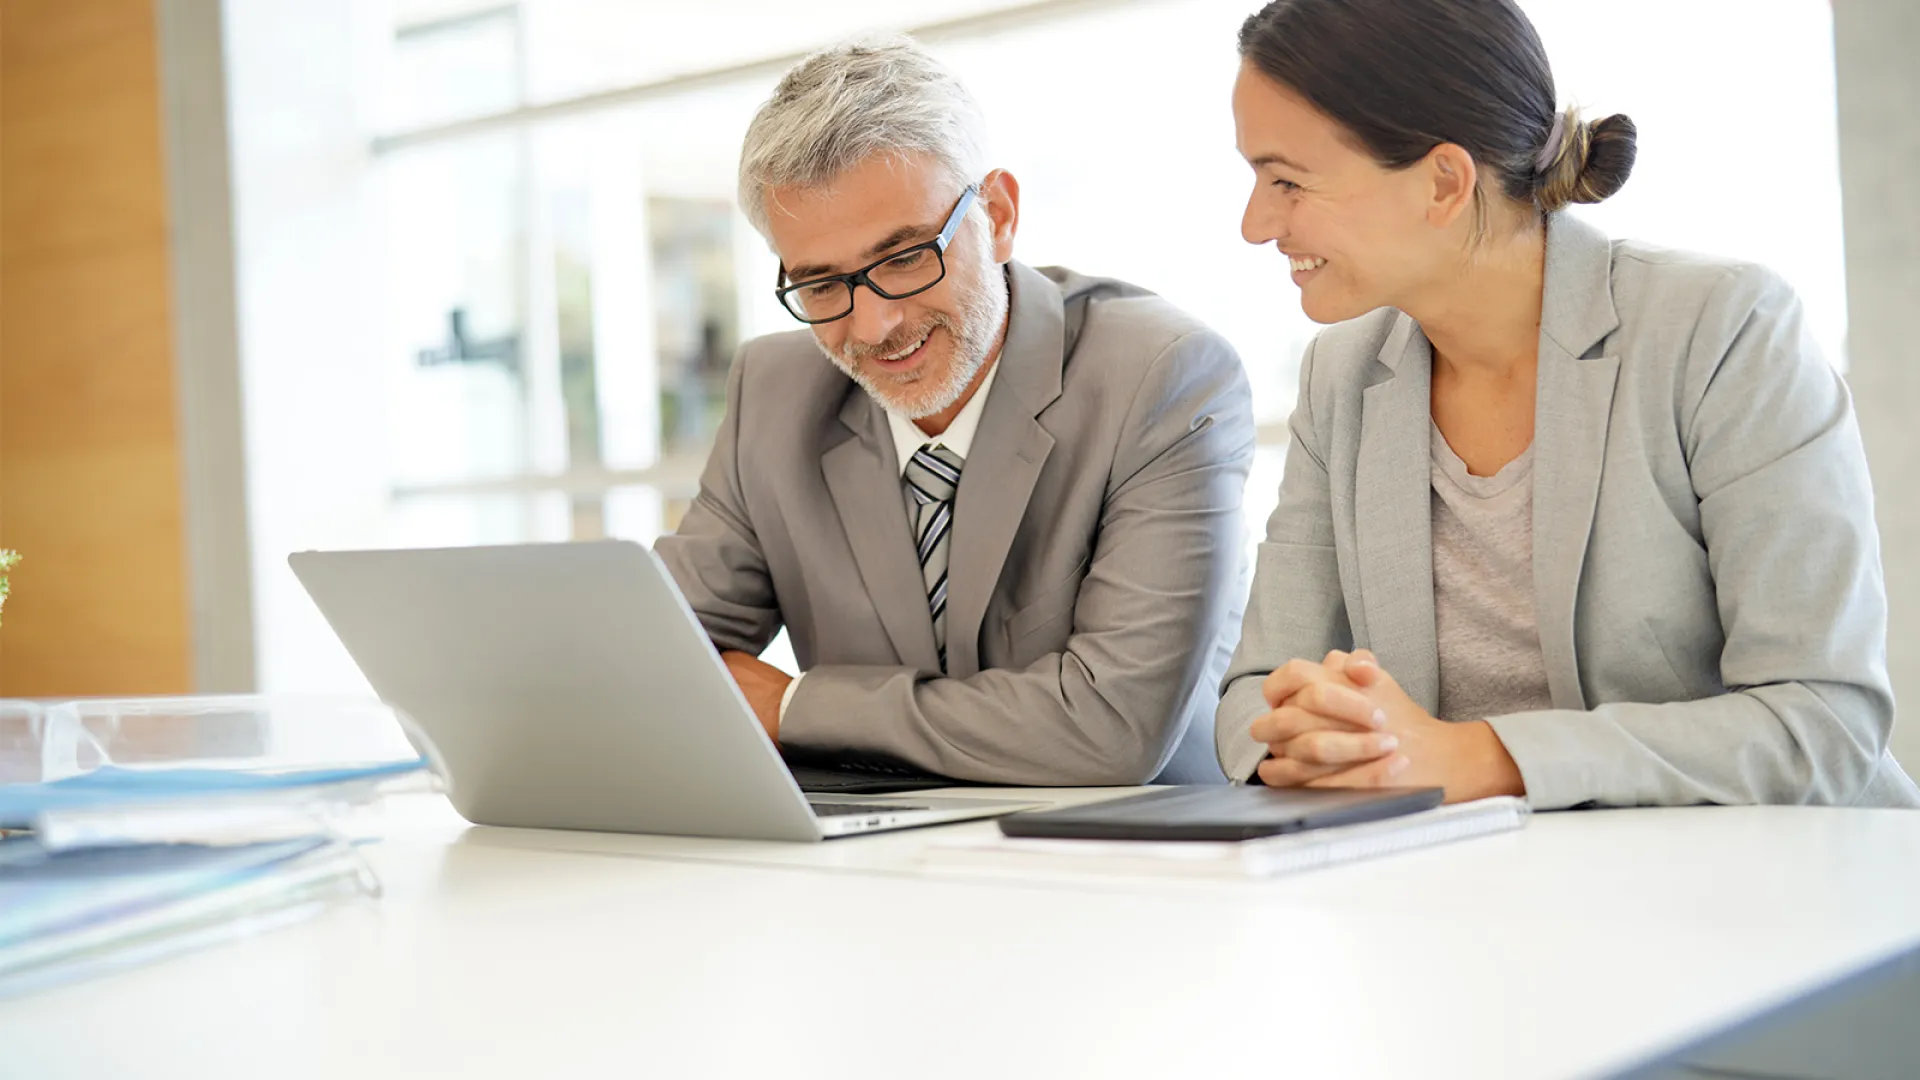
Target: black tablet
[(1220, 813)]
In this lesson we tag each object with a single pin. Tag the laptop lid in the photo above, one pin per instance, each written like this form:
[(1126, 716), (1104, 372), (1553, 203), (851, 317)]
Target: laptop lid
[(566, 686)]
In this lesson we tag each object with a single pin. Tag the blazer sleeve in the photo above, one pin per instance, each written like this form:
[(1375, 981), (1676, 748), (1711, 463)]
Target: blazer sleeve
[(1110, 707), (715, 556), (1297, 608), (1786, 511)]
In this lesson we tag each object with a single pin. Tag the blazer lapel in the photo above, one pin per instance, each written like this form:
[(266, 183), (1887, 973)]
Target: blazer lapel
[(1009, 449), (865, 483), (1393, 511), (1572, 408)]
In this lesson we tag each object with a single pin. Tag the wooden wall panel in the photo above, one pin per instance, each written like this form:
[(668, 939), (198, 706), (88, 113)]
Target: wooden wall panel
[(90, 477)]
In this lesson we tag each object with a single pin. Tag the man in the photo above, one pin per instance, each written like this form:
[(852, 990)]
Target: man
[(1002, 525)]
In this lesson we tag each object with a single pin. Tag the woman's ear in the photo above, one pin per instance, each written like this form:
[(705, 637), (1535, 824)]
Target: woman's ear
[(1452, 179)]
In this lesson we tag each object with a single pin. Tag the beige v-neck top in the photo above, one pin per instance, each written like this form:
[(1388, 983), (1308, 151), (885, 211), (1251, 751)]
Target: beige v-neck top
[(1483, 603)]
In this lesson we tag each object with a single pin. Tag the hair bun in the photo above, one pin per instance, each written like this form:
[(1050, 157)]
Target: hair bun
[(1584, 162)]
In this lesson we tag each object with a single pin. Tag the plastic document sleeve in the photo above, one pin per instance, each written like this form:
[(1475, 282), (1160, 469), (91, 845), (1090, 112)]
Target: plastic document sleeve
[(71, 915)]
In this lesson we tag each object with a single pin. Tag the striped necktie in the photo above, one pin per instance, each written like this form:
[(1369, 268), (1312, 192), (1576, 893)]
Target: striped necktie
[(932, 476)]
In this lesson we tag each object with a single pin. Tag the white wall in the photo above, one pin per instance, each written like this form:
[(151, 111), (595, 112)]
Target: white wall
[(1875, 46), (207, 349), (311, 315)]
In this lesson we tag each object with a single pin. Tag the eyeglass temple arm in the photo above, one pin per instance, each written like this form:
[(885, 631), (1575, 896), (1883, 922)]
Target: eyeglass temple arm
[(959, 215), (946, 235)]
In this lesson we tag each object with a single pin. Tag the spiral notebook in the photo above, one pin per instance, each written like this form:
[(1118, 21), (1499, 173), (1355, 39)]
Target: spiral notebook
[(1243, 859)]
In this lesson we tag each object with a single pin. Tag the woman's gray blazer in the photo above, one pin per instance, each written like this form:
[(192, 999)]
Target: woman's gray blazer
[(1706, 568)]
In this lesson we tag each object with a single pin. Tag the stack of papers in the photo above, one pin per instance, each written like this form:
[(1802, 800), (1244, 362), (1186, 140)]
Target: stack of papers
[(140, 828), (1242, 859)]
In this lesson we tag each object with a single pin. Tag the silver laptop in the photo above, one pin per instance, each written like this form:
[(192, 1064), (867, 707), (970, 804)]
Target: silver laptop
[(569, 686)]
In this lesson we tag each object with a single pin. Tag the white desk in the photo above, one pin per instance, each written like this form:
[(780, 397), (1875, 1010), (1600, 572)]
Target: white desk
[(1585, 944)]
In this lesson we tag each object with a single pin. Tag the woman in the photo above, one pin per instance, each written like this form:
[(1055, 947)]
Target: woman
[(1592, 516)]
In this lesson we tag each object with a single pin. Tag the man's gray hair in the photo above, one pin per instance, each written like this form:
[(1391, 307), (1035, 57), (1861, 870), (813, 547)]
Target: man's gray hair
[(844, 104)]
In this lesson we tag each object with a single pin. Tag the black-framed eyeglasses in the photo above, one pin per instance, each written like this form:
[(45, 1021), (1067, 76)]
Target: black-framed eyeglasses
[(896, 276)]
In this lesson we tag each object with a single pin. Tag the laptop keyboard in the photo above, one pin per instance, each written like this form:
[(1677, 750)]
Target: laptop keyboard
[(838, 809), (859, 774)]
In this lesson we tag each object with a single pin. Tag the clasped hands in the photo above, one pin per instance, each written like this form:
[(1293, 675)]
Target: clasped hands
[(1345, 722)]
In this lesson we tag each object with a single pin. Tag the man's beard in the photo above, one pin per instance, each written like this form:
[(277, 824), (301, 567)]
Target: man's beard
[(916, 395)]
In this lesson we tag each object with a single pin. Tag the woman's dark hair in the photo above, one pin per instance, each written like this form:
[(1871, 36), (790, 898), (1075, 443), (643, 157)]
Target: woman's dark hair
[(1404, 76)]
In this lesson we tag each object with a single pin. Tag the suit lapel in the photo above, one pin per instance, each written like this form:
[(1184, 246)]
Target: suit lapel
[(1393, 537), (1009, 449), (865, 483), (1572, 408)]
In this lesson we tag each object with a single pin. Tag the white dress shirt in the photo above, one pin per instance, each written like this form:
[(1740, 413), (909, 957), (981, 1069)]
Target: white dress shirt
[(908, 438)]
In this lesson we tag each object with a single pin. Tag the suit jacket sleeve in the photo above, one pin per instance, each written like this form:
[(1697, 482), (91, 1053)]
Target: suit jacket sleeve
[(1787, 515), (1109, 708), (715, 557), (1297, 608)]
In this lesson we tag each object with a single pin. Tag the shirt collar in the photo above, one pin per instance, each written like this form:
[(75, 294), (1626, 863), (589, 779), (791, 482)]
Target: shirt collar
[(907, 436)]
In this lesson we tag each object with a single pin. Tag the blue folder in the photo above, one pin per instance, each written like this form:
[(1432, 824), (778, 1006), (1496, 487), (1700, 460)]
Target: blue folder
[(111, 786)]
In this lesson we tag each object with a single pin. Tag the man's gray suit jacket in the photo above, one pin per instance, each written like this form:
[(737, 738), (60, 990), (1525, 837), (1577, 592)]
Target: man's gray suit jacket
[(1096, 576)]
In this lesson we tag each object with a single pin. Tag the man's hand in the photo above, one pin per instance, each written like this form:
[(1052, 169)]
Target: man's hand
[(763, 684)]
